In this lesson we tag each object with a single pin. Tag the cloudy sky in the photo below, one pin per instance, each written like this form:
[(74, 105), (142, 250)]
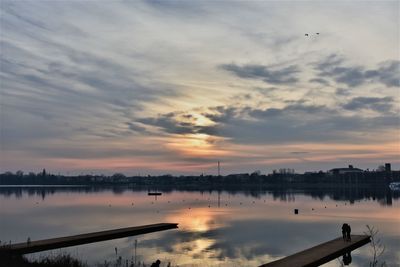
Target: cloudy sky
[(174, 86)]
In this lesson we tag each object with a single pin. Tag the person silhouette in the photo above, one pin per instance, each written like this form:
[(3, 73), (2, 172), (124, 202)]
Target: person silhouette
[(348, 233), (156, 263), (344, 231), (347, 258)]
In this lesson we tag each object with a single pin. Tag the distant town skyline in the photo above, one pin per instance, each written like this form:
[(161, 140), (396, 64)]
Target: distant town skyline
[(157, 87)]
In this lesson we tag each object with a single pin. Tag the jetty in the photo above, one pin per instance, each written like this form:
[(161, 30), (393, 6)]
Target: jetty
[(322, 253), (154, 193), (74, 240)]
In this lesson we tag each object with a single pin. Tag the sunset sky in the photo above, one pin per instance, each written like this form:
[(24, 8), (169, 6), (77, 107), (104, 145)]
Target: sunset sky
[(153, 87)]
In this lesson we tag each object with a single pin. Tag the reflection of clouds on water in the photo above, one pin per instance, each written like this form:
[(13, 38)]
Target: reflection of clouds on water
[(363, 256), (195, 236), (245, 230), (206, 246), (248, 239), (251, 240), (197, 220)]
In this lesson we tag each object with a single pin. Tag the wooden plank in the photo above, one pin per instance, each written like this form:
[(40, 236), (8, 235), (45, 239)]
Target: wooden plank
[(322, 253), (67, 241)]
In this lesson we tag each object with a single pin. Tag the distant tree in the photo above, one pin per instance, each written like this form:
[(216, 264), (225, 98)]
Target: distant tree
[(117, 177), (286, 171), (19, 173)]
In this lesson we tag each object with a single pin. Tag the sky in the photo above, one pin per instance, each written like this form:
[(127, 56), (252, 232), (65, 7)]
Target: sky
[(155, 87)]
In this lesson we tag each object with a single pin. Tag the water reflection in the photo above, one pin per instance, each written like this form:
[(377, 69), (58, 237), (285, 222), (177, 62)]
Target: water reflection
[(216, 227), (346, 259), (383, 195)]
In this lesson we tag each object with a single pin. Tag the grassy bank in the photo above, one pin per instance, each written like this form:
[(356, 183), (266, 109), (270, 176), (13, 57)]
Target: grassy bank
[(63, 260)]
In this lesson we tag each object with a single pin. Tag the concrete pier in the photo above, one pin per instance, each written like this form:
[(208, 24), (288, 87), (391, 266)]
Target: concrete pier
[(67, 241), (322, 253)]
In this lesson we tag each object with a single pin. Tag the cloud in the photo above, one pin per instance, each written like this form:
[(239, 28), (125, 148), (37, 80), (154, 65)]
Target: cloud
[(380, 104), (286, 75), (135, 127), (47, 78), (177, 123), (289, 109), (299, 152), (70, 77), (342, 91), (320, 81), (387, 73), (170, 124), (221, 114), (291, 123)]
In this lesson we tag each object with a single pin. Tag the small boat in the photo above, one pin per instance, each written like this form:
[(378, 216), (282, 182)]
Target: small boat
[(154, 193), (395, 186)]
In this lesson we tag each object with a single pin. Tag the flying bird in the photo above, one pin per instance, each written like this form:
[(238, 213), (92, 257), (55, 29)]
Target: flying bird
[(317, 33), (306, 34)]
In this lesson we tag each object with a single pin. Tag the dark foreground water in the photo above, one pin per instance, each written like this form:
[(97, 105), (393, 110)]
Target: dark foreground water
[(216, 228)]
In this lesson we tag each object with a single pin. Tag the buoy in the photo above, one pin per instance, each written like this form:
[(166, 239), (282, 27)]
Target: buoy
[(296, 211)]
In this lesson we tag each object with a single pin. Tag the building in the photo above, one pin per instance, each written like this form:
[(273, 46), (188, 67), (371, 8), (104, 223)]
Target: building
[(388, 167), (350, 169)]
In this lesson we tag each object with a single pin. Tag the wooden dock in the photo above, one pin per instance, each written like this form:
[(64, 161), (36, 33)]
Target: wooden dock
[(67, 241), (322, 253)]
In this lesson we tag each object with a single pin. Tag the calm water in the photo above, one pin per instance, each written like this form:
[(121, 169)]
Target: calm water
[(223, 228)]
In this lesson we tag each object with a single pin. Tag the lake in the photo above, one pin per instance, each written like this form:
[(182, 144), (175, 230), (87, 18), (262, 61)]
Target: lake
[(230, 227)]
